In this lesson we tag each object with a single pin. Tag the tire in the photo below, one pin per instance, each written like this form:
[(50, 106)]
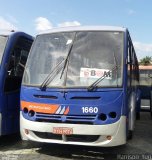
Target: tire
[(138, 116), (132, 116), (132, 113), (130, 135)]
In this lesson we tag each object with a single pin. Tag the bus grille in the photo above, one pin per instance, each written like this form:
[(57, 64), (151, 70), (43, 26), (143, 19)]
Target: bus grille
[(70, 119), (69, 138)]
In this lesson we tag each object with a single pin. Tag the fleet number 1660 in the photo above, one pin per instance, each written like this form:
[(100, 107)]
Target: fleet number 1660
[(89, 109)]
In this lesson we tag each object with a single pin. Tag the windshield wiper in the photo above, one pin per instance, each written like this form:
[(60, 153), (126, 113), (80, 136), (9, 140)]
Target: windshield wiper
[(67, 57), (61, 65), (52, 74), (94, 84)]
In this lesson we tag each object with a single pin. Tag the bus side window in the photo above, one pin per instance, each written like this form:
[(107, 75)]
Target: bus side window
[(21, 63), (16, 64), (129, 63), (10, 70)]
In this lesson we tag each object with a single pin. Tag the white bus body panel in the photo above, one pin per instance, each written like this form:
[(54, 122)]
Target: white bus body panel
[(116, 130)]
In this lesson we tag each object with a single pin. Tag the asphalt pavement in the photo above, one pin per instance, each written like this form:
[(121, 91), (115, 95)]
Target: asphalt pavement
[(140, 147)]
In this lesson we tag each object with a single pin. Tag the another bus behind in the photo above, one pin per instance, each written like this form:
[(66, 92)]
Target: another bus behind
[(14, 49)]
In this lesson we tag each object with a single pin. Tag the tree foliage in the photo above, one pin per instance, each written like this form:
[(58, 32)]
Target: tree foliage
[(146, 61)]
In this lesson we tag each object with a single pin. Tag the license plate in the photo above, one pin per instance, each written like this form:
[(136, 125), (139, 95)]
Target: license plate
[(62, 130)]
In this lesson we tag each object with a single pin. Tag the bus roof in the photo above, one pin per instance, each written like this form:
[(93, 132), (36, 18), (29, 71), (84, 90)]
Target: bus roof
[(145, 67), (85, 28), (10, 32), (16, 33)]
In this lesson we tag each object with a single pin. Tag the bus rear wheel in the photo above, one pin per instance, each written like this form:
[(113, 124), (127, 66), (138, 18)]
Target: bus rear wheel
[(130, 135), (138, 116)]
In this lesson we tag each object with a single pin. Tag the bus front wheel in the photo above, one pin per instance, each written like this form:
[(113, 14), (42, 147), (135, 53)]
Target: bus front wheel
[(138, 116), (130, 135)]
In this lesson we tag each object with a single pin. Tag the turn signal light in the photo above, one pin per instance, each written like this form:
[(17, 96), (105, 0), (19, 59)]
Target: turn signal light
[(26, 131), (109, 138)]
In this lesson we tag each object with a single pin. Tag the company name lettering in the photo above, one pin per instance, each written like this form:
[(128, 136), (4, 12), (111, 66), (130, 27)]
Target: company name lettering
[(39, 107)]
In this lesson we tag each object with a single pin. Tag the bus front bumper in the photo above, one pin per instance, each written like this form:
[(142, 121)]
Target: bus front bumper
[(88, 135)]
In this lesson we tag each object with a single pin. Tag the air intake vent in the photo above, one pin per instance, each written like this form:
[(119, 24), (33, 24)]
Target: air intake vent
[(46, 96), (85, 98), (70, 119)]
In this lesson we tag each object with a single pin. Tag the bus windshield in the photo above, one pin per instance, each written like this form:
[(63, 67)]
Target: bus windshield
[(88, 56), (3, 40)]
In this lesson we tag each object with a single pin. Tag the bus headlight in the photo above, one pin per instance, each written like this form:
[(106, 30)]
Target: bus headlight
[(31, 113), (103, 116), (25, 110), (112, 114)]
